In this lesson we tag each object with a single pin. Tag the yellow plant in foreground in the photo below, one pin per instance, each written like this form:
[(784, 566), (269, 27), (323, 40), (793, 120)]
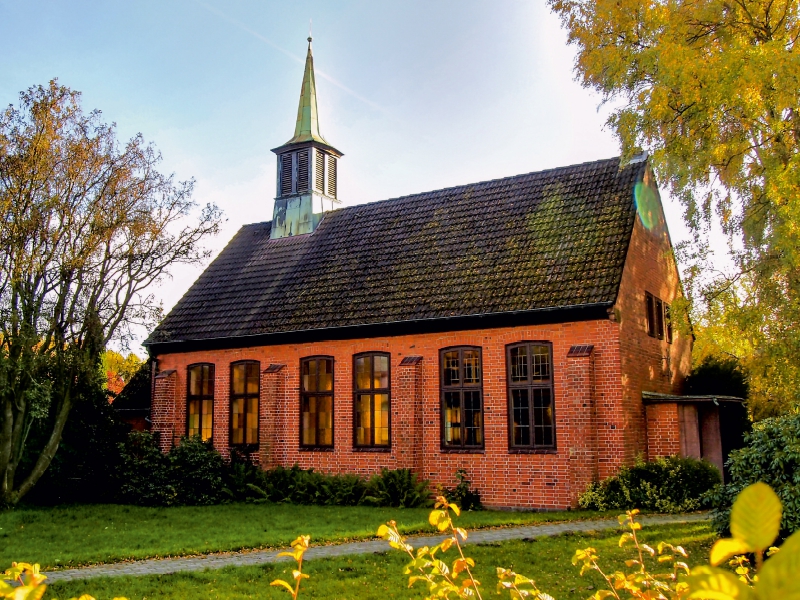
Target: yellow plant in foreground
[(299, 547), (23, 581)]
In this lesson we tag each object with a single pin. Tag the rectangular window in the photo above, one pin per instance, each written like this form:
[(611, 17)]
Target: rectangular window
[(286, 174), (319, 172), (244, 403), (372, 413), (462, 398), (332, 176), (316, 402), (302, 171), (659, 318), (200, 401), (530, 396)]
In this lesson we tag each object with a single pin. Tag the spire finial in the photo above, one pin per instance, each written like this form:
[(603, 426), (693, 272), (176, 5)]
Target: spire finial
[(309, 31), (307, 127)]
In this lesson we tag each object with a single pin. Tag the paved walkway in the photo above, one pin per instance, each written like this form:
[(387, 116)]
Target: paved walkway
[(165, 566)]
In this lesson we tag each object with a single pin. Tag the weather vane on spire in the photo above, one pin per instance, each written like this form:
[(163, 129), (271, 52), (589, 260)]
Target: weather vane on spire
[(309, 31)]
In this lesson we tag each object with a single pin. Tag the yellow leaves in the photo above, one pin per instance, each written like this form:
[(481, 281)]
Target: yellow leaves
[(299, 547), (725, 548), (756, 517), (710, 583)]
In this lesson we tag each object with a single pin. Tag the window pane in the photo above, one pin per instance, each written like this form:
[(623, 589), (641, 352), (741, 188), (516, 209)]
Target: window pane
[(363, 375), (519, 364), (521, 418), (381, 420), (473, 422), (543, 417), (308, 423), (325, 367), (207, 419), (540, 363), (381, 378), (452, 418), (659, 319), (309, 376), (651, 314), (252, 421), (194, 381), (363, 420), (472, 367), (252, 378), (205, 386), (450, 368), (325, 420), (237, 374), (237, 421), (194, 417)]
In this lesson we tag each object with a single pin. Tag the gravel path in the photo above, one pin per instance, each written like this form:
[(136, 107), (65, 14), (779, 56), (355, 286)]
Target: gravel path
[(165, 566)]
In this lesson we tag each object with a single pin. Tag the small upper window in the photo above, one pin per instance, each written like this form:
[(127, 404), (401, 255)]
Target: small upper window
[(200, 401), (316, 402), (659, 322), (530, 395), (372, 411), (244, 403), (462, 402)]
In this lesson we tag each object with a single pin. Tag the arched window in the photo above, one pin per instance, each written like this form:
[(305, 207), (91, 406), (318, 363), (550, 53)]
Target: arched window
[(462, 398), (245, 387), (316, 402), (200, 401), (530, 396), (371, 411)]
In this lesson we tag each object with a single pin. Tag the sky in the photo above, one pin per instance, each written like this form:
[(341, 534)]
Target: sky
[(418, 94)]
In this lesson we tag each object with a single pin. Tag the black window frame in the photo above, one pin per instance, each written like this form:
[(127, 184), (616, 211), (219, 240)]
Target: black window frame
[(530, 385), (245, 396), (371, 391), (304, 394), (463, 447), (658, 317), (200, 398)]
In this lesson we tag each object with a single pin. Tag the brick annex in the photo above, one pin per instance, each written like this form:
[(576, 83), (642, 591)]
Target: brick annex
[(517, 328)]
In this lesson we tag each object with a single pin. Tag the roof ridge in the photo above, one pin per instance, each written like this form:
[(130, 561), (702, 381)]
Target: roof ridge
[(474, 183)]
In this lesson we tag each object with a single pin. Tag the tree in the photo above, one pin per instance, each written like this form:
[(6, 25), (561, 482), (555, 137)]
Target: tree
[(711, 89), (88, 225)]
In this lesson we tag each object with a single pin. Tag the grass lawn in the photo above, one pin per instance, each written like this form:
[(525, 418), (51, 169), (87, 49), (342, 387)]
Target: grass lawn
[(79, 535), (547, 560)]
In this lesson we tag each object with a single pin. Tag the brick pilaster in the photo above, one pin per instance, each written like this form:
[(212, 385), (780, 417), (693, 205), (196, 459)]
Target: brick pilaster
[(582, 406), (407, 415), (164, 408)]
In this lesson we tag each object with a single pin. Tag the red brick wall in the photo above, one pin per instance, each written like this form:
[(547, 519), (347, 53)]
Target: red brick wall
[(545, 480), (663, 430), (648, 364)]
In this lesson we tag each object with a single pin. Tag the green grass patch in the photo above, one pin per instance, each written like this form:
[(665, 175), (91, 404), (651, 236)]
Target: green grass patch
[(79, 535), (547, 560)]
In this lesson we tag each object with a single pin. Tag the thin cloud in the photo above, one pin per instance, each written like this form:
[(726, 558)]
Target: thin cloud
[(291, 55)]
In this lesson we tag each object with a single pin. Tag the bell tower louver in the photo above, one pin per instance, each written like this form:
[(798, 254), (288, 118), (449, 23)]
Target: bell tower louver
[(307, 178)]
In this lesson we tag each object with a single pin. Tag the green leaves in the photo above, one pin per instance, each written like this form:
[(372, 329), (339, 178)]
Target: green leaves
[(710, 583)]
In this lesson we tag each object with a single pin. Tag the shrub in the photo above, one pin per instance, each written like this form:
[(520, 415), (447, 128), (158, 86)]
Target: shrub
[(771, 455), (197, 472), (399, 488), (144, 474), (671, 485), (463, 495)]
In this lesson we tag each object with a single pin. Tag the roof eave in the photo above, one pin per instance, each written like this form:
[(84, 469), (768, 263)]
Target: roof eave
[(549, 315)]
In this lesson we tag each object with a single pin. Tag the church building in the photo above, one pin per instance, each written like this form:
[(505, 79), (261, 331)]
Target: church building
[(517, 328)]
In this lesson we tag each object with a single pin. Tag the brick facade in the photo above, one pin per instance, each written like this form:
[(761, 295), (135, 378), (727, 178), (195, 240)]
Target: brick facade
[(588, 413), (600, 420)]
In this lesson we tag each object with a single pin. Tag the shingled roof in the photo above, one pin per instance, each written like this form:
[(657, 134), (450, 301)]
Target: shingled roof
[(555, 239)]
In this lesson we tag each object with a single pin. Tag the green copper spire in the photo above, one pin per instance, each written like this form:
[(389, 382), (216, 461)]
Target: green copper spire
[(307, 128)]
